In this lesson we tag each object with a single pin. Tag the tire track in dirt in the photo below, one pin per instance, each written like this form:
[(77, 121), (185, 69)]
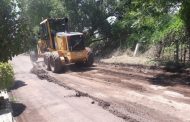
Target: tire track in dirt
[(110, 77), (42, 74), (172, 81)]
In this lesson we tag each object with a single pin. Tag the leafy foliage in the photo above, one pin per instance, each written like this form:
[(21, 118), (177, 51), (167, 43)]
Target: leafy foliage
[(38, 10), (185, 10), (6, 76), (150, 22), (14, 30), (174, 25)]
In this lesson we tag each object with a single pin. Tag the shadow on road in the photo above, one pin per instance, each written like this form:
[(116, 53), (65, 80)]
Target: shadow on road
[(169, 76), (164, 78), (18, 108), (18, 84), (76, 68), (170, 80)]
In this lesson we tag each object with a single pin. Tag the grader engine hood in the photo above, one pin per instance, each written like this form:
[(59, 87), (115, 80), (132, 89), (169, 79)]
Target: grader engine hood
[(75, 46), (77, 56), (75, 40)]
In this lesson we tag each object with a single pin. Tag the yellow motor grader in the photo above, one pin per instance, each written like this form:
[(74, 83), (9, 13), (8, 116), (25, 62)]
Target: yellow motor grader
[(59, 46)]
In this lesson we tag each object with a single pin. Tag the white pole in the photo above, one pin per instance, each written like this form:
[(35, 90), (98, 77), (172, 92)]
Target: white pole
[(136, 49)]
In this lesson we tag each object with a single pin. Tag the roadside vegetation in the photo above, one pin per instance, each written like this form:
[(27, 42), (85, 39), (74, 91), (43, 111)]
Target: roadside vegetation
[(161, 28), (6, 76), (12, 28), (6, 81)]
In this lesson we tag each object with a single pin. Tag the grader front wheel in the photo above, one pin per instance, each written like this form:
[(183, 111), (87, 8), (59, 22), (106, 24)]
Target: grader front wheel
[(33, 55), (47, 61)]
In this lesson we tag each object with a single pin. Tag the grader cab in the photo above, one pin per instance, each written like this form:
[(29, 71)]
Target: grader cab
[(59, 46)]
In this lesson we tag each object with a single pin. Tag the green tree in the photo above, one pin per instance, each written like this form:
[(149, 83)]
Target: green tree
[(152, 22), (6, 76), (14, 30), (38, 10)]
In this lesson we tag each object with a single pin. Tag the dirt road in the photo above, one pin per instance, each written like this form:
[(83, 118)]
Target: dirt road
[(36, 100), (137, 95)]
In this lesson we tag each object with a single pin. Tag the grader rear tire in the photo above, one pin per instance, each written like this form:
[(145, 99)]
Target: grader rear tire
[(55, 63), (47, 61)]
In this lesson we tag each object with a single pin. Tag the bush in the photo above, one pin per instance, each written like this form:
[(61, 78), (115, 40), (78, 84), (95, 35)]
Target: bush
[(6, 76)]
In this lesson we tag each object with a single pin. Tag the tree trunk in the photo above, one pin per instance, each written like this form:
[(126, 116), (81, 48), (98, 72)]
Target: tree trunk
[(184, 55), (181, 52), (159, 48), (177, 51), (1, 102)]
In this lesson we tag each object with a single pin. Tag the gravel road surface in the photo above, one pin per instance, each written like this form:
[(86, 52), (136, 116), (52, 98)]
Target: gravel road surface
[(36, 100), (100, 93)]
